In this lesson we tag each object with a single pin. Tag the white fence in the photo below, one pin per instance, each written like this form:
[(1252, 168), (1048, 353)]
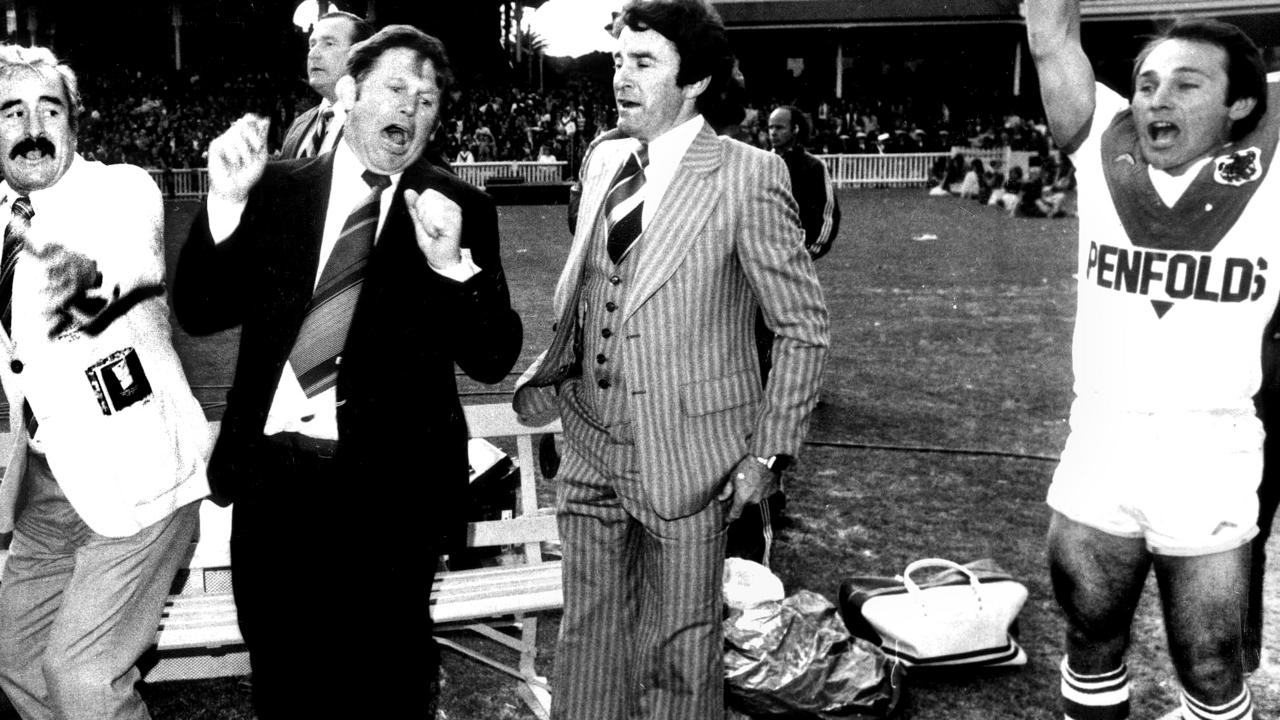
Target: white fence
[(847, 171), (906, 169), (193, 183), (530, 172), (182, 184)]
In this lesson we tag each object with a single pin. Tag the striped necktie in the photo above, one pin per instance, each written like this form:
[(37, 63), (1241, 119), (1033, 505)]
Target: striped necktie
[(312, 148), (323, 335), (624, 204), (15, 239)]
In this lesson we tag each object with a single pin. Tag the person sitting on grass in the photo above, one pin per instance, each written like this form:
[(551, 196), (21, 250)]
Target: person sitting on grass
[(1007, 197), (992, 183), (972, 184), (1037, 200)]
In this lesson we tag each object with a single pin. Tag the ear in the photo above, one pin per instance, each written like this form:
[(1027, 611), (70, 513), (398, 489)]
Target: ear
[(345, 89), (694, 89), (1241, 108)]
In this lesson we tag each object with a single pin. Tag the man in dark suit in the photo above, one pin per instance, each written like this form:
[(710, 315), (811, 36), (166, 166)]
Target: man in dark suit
[(317, 130), (358, 428)]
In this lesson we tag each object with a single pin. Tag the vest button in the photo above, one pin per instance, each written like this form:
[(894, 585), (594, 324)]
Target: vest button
[(604, 383), (16, 365), (615, 280), (606, 333), (601, 358), (611, 306)]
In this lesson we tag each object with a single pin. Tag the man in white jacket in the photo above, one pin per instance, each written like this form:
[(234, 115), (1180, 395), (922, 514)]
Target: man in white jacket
[(108, 464)]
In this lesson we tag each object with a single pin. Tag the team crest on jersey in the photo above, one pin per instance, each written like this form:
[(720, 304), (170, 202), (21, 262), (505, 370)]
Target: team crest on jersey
[(1238, 168)]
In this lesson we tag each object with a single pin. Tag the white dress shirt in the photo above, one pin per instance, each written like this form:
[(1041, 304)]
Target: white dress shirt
[(665, 153), (291, 409)]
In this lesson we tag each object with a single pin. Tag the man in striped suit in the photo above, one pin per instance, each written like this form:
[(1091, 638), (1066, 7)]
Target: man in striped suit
[(654, 373)]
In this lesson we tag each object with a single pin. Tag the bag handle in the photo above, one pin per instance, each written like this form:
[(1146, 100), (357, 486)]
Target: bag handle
[(937, 562)]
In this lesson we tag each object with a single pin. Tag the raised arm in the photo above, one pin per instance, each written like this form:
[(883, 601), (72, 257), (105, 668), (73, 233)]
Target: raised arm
[(1066, 77)]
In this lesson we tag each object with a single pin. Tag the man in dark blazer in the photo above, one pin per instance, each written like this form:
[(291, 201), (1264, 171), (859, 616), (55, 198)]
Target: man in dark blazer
[(374, 455), (331, 38)]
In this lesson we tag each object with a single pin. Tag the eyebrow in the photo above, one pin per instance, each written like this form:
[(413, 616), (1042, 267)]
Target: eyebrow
[(1177, 70), (637, 54)]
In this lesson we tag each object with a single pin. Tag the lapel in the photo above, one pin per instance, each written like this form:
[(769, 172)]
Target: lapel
[(300, 129), (594, 188), (684, 209), (311, 194)]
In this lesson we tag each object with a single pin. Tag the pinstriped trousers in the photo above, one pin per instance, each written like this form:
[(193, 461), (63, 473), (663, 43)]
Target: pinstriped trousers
[(640, 636)]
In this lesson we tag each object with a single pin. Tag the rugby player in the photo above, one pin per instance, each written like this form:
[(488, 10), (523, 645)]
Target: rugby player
[(1163, 460)]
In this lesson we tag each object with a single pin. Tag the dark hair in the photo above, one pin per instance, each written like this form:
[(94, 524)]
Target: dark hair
[(799, 121), (364, 54), (361, 29), (731, 108), (1246, 70), (698, 33)]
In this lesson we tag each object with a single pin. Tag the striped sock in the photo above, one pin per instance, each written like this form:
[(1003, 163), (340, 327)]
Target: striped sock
[(1095, 697), (1241, 708)]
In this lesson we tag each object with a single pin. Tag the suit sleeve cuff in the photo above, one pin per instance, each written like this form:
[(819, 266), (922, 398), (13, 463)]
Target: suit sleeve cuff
[(459, 272), (224, 217)]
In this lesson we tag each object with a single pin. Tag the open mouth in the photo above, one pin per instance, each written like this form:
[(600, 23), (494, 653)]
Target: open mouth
[(397, 136), (628, 105), (33, 149), (1162, 133)]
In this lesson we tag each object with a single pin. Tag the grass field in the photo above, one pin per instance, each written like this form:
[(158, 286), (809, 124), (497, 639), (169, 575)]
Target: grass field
[(943, 406)]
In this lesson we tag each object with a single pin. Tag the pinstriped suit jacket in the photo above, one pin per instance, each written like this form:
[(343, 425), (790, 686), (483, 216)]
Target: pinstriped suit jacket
[(725, 237)]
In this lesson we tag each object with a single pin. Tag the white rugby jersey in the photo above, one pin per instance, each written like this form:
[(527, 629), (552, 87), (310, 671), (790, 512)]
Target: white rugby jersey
[(1172, 320)]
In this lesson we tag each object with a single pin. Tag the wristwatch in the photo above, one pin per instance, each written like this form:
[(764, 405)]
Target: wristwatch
[(776, 463)]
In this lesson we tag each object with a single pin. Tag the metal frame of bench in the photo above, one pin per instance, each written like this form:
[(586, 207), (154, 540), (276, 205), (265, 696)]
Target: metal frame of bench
[(199, 637)]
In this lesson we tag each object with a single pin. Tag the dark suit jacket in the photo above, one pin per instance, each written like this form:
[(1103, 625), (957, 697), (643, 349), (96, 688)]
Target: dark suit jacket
[(403, 435), (298, 131)]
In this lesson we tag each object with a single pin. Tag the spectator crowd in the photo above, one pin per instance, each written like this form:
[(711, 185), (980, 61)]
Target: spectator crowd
[(167, 120)]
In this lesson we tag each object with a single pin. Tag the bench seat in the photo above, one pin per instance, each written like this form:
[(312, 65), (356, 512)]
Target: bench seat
[(198, 635), (209, 620)]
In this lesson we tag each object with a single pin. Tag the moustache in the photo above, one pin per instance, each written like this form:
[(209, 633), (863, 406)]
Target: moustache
[(28, 144)]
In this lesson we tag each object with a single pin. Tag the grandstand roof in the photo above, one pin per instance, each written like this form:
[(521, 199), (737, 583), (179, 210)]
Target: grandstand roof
[(796, 13), (852, 13)]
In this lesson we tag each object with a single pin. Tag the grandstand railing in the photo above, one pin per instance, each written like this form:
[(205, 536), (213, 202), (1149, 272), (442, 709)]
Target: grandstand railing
[(847, 171), (183, 183), (906, 169), (193, 183), (478, 173)]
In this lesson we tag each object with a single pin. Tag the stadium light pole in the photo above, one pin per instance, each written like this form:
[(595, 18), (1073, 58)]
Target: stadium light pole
[(175, 15)]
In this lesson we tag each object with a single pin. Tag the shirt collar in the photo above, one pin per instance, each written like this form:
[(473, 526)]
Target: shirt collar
[(670, 146), (65, 184), (348, 169), (339, 111)]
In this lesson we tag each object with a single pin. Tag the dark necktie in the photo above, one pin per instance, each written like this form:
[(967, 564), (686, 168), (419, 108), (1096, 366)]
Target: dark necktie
[(312, 148), (324, 329), (15, 239), (624, 205)]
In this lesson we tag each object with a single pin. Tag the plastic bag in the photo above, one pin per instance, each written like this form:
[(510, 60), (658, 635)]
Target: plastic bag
[(794, 655)]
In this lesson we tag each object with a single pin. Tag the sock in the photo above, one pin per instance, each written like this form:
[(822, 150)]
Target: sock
[(1241, 708), (1095, 697)]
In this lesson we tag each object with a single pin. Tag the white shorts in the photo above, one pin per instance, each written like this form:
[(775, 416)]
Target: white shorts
[(1186, 483)]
